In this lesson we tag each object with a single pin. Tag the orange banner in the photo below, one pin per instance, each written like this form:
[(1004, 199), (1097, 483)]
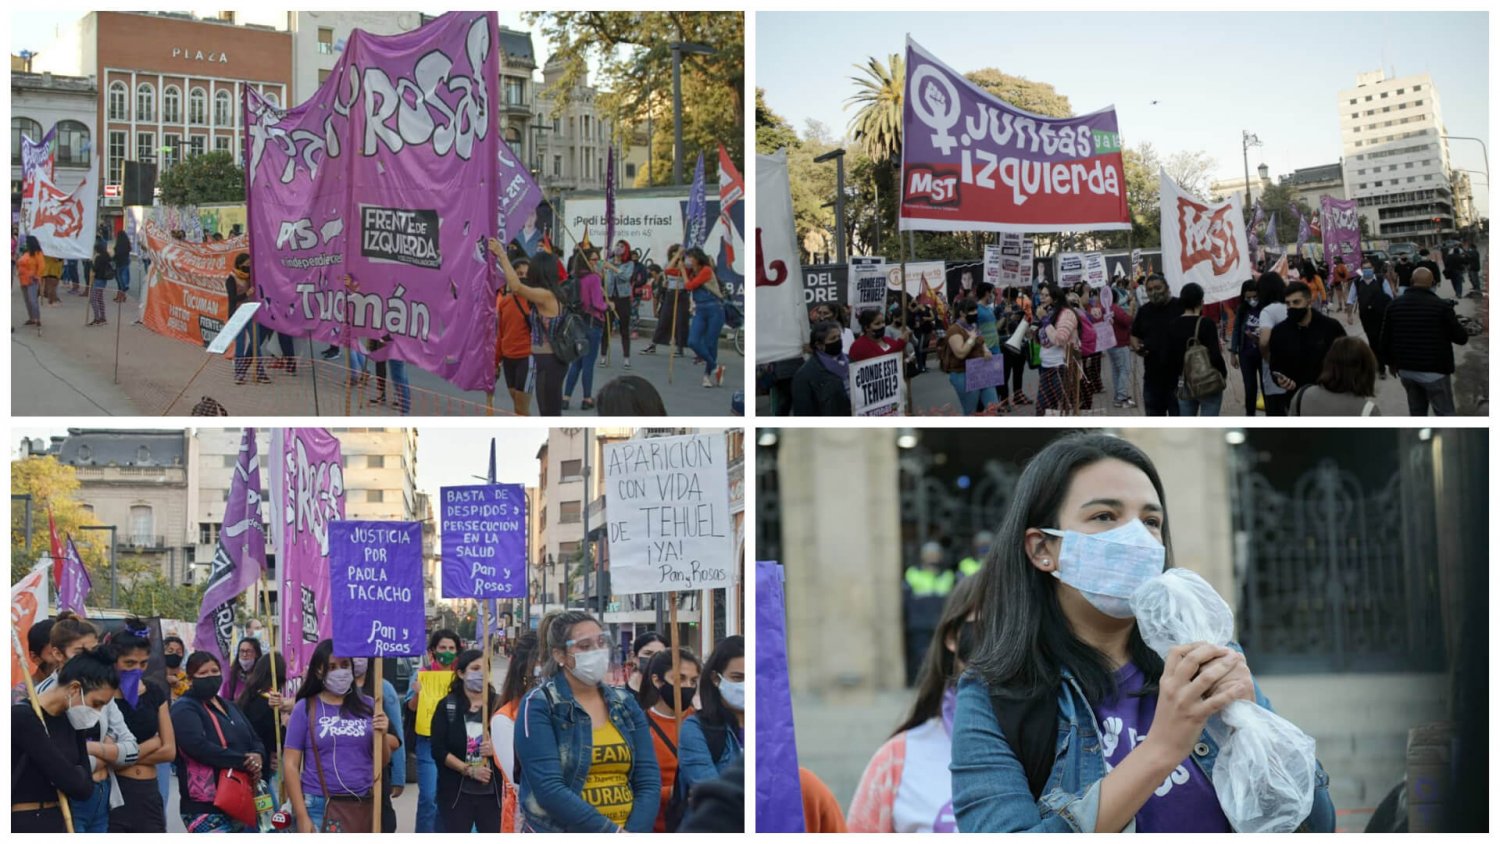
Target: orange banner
[(185, 294), (28, 605)]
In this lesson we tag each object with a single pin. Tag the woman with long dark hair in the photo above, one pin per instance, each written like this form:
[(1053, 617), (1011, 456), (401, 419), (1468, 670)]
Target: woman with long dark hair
[(144, 706), (259, 700), (1244, 342), (642, 649), (246, 656), (708, 310), (48, 753), (1057, 332), (667, 692), (469, 793), (122, 264), (29, 269), (541, 291), (332, 723), (594, 309), (520, 678), (1271, 305), (1067, 721), (584, 758), (104, 272), (714, 736), (906, 786), (213, 736)]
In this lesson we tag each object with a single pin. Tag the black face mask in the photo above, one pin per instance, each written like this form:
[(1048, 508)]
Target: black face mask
[(1296, 314), (204, 688), (834, 347), (174, 660), (684, 697)]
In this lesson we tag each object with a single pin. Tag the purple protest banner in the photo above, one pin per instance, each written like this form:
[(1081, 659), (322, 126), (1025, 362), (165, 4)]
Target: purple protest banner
[(239, 557), (984, 372), (307, 493), (973, 162), (36, 158), (484, 541), (778, 782), (1341, 232), (1302, 229), (609, 200), (76, 585), (369, 205), (375, 574)]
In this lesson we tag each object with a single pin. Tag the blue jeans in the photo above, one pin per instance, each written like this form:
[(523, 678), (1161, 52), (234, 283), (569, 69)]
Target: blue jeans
[(33, 307), (971, 401), (122, 277), (396, 370), (1119, 370), (703, 337), (92, 815), (427, 777), (316, 803), (585, 365), (1201, 407), (164, 780)]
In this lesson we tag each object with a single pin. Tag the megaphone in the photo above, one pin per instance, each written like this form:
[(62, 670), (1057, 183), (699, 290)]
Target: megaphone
[(1017, 339)]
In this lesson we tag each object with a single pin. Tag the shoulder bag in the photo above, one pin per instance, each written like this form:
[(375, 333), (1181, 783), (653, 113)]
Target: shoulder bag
[(338, 815), (234, 793)]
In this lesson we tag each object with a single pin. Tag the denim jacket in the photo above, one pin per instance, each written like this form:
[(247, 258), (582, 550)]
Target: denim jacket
[(554, 746), (990, 791), (694, 763)]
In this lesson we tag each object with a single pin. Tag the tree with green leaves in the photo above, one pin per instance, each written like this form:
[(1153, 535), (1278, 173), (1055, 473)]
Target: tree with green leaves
[(53, 488), (1035, 97), (633, 52), (876, 125), (203, 179), (772, 132)]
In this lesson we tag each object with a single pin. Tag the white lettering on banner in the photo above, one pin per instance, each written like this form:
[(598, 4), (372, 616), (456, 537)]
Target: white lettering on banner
[(317, 490), (413, 102), (333, 725), (395, 315), (1343, 218)]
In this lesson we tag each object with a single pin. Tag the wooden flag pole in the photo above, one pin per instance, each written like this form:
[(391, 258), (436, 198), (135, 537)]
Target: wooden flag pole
[(36, 706), (378, 768), (484, 715), (275, 681), (676, 661)]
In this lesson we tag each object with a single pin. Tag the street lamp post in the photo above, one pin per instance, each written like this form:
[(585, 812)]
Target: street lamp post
[(1247, 140), (1484, 150), (114, 571), (837, 156), (678, 48)]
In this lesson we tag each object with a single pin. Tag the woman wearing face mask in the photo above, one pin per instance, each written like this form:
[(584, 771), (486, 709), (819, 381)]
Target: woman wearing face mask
[(246, 656), (48, 755), (1057, 332), (821, 386), (666, 693), (174, 652), (442, 649), (619, 269), (260, 700), (965, 343), (212, 735), (708, 311), (522, 675), (330, 739), (1370, 295), (714, 736), (1271, 305), (395, 770), (144, 707), (906, 786), (1088, 730), (1244, 343), (872, 342), (584, 758), (469, 794)]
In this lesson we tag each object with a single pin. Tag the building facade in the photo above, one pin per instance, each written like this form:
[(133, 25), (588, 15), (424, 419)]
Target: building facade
[(319, 38), (574, 140), (1396, 160), (169, 84), (517, 93), (1311, 184), (1224, 188), (39, 101)]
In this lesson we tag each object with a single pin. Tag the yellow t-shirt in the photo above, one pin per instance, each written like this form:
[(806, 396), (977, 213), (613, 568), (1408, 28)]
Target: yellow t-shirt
[(608, 785)]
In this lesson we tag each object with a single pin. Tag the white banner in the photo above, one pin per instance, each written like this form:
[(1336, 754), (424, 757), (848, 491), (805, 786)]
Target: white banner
[(994, 271), (781, 327), (866, 289), (1070, 269), (64, 224), (1203, 243), (876, 386), (667, 512), (1028, 249)]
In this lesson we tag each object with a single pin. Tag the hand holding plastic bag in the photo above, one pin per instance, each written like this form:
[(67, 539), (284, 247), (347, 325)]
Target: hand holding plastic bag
[(1267, 768)]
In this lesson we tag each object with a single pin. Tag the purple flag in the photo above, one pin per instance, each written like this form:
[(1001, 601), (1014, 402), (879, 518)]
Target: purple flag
[(394, 175), (307, 493), (609, 202), (1340, 225), (239, 557), (778, 783), (76, 585), (1272, 241), (375, 574), (37, 157), (1252, 229), (1302, 230), (484, 541), (697, 209)]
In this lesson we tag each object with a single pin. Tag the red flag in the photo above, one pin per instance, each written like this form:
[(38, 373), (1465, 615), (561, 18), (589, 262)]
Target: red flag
[(57, 550)]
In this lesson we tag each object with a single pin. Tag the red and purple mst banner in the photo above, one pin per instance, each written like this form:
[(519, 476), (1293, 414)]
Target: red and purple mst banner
[(972, 162), (394, 175)]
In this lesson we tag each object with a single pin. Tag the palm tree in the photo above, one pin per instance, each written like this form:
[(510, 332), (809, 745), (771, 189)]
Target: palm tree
[(877, 124)]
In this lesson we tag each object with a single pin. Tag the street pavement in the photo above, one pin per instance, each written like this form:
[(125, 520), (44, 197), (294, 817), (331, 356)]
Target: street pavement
[(67, 369)]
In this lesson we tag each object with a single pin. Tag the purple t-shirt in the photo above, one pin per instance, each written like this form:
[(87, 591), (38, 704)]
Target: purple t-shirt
[(1186, 801), (346, 745)]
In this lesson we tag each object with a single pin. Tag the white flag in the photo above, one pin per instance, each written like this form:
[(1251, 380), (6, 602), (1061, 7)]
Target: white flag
[(1203, 243), (781, 327)]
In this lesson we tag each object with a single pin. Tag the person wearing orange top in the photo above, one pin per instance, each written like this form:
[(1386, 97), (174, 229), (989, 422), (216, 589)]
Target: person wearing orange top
[(708, 310), (29, 268), (513, 342), (820, 809), (519, 679), (659, 683)]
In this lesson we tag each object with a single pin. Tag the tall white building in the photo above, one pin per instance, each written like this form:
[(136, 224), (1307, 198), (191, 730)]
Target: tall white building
[(318, 40), (574, 142), (1395, 156)]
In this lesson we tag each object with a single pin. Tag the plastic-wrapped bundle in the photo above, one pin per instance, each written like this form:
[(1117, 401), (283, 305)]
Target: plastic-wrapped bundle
[(1267, 768)]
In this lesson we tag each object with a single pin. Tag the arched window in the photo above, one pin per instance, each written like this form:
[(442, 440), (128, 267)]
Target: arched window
[(145, 102), (74, 146), (171, 104), (272, 98), (198, 107), (119, 101), (22, 126), (223, 109)]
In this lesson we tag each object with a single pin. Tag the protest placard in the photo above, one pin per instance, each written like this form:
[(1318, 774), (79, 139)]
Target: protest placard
[(1070, 269), (375, 576), (1094, 271), (876, 386), (866, 288), (484, 541), (667, 513), (983, 372), (993, 259)]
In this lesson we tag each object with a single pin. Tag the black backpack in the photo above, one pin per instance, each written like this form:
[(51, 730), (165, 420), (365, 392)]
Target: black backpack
[(570, 332), (1030, 726), (681, 799)]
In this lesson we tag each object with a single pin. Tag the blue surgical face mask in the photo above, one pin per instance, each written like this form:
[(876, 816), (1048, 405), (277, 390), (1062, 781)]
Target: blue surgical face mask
[(1368, 274), (1106, 568)]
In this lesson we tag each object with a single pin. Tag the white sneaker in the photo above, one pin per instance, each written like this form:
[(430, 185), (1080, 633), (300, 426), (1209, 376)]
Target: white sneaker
[(707, 382), (627, 363)]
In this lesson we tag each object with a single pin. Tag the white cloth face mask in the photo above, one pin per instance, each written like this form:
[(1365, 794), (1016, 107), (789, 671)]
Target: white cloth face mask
[(1107, 567)]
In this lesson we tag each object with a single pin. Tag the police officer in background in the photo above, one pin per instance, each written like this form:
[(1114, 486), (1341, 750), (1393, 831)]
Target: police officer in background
[(922, 595)]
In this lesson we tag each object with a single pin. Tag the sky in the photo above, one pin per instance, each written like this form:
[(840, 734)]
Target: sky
[(1208, 72)]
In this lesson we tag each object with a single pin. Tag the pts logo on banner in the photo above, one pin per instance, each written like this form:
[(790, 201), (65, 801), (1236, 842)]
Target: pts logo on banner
[(1207, 237)]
